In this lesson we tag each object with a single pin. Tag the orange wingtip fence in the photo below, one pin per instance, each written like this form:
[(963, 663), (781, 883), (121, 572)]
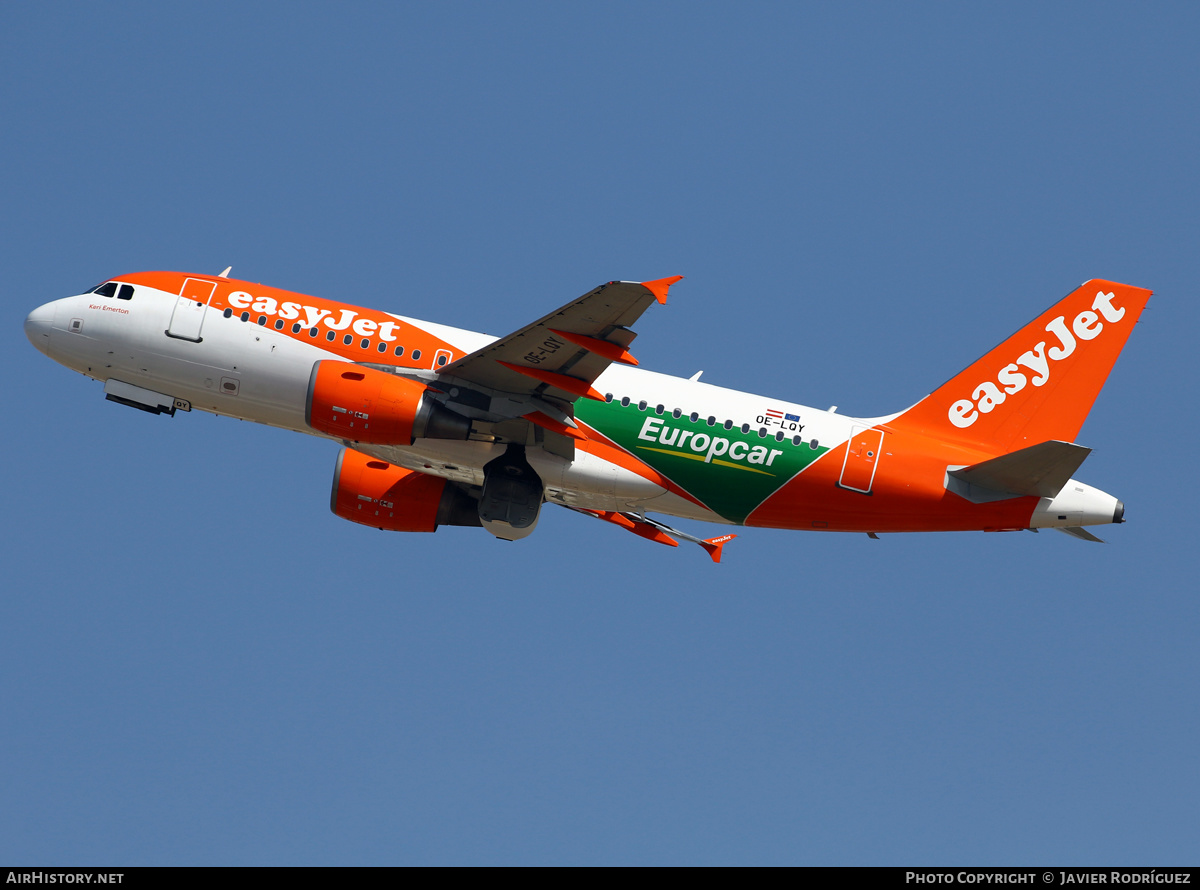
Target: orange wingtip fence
[(714, 545), (660, 286)]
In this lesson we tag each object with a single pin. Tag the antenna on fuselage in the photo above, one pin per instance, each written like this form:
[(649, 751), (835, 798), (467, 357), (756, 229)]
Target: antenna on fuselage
[(225, 274)]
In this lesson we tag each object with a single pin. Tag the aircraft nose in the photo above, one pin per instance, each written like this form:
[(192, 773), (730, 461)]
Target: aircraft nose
[(38, 325)]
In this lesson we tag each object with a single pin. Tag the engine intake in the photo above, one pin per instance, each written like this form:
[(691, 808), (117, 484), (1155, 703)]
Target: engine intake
[(382, 495), (365, 405)]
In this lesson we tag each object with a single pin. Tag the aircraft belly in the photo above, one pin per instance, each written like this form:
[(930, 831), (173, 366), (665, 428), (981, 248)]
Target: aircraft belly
[(587, 481), (240, 370), (671, 504)]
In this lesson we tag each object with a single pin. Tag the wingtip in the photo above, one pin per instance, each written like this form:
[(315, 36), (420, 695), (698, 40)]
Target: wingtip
[(714, 545), (660, 286)]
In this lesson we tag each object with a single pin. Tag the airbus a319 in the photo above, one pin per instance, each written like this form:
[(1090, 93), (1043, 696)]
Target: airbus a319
[(442, 426)]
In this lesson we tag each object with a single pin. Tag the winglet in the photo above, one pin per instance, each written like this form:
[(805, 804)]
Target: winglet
[(714, 545), (660, 287)]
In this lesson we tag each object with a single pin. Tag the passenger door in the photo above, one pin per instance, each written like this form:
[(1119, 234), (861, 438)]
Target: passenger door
[(188, 316)]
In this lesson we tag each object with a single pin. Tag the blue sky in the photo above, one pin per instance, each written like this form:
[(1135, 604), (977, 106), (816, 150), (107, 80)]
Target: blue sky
[(202, 665)]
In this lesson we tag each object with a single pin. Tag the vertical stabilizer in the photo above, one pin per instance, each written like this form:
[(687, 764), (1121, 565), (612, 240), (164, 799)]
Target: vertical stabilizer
[(1040, 383)]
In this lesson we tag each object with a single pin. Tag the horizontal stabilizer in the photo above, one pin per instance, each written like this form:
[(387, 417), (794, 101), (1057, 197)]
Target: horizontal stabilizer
[(1082, 533), (1039, 470)]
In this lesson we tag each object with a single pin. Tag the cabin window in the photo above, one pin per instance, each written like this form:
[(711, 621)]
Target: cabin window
[(779, 437), (694, 416), (296, 328), (262, 319), (245, 316), (279, 324), (228, 313), (312, 332), (608, 397), (330, 336), (711, 420), (625, 401), (762, 432), (126, 292), (348, 339), (399, 350), (745, 427), (364, 343), (796, 440), (642, 405), (658, 409), (813, 444), (382, 347), (416, 356), (728, 424)]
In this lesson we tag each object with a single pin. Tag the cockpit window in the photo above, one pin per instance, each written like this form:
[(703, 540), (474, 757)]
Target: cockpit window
[(108, 289), (126, 292)]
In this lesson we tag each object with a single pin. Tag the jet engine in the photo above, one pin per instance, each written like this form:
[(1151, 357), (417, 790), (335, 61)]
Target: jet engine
[(365, 405), (382, 495)]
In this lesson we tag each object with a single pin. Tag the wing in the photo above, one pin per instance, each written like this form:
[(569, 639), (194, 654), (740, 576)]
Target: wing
[(561, 355), (523, 387), (642, 525)]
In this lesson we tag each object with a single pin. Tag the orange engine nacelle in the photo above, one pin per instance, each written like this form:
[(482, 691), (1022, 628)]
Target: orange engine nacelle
[(364, 405), (382, 495)]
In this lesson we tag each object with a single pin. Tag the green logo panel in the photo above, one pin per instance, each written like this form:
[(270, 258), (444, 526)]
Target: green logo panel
[(729, 471)]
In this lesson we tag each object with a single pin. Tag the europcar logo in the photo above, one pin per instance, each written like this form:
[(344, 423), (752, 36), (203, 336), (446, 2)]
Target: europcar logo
[(987, 396), (706, 448)]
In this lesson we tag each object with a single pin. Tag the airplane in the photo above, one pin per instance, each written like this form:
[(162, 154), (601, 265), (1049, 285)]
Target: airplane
[(440, 426)]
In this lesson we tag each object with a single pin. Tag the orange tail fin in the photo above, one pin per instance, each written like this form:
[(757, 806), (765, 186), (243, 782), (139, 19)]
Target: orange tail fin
[(1040, 383)]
